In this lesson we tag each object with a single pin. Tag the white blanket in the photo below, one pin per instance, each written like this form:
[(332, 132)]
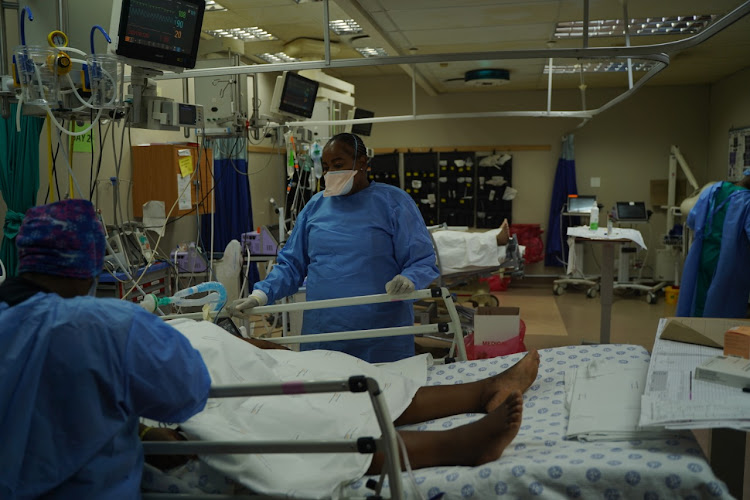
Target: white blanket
[(461, 249), (325, 417)]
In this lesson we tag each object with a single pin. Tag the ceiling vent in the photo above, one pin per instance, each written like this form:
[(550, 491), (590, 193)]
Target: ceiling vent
[(487, 77)]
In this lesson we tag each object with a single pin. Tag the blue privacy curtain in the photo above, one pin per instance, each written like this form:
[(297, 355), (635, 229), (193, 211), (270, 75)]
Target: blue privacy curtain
[(19, 178), (565, 184), (234, 214)]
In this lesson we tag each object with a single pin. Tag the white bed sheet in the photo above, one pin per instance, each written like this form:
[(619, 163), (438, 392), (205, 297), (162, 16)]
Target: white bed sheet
[(540, 463), (327, 416)]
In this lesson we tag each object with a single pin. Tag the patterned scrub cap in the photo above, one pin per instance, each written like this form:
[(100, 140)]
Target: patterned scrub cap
[(62, 239)]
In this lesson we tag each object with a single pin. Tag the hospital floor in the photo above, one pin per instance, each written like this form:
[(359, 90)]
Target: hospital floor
[(634, 321)]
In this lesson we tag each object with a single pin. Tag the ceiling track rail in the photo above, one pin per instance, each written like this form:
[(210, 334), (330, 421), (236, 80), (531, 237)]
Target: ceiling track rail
[(657, 53)]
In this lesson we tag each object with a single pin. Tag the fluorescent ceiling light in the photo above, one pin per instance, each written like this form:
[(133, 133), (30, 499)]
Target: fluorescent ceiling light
[(345, 27), (373, 52), (673, 25), (212, 6), (598, 67), (245, 34), (276, 58)]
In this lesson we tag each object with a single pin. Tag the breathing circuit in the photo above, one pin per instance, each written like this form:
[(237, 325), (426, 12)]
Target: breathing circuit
[(216, 297)]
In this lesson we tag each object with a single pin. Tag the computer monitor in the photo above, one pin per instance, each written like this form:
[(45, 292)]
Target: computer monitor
[(631, 211), (158, 34), (294, 95), (580, 204), (362, 129)]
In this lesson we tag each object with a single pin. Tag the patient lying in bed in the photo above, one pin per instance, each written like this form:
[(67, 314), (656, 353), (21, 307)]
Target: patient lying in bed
[(462, 250), (344, 415)]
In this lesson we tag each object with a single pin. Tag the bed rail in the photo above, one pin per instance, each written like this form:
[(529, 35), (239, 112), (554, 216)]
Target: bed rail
[(386, 443), (458, 349)]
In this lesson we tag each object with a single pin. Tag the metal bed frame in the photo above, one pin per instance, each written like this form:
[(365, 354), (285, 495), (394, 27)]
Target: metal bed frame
[(387, 443), (457, 349)]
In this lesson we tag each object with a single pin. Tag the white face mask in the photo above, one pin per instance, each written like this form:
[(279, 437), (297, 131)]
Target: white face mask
[(339, 182)]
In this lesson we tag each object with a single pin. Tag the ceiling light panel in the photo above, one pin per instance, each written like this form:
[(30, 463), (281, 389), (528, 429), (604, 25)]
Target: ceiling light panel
[(345, 27), (245, 34), (598, 67), (673, 25), (212, 6), (278, 57), (373, 52)]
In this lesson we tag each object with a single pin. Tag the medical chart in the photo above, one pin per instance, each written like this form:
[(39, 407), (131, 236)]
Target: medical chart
[(604, 401), (674, 398)]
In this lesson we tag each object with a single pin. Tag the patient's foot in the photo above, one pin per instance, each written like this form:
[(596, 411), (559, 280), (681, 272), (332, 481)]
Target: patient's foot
[(504, 235), (485, 440), (518, 377)]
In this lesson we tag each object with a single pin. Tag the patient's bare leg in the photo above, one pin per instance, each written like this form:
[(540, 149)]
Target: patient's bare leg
[(471, 444), (483, 396), (504, 235)]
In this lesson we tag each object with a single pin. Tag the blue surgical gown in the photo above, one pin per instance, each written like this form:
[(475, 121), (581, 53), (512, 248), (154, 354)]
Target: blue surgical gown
[(350, 246), (75, 374), (729, 289)]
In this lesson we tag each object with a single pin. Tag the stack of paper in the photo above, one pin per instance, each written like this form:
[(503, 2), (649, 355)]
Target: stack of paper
[(604, 402), (673, 397)]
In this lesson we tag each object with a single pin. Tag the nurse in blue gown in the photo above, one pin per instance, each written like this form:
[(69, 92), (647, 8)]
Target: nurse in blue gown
[(716, 275), (76, 372), (355, 238)]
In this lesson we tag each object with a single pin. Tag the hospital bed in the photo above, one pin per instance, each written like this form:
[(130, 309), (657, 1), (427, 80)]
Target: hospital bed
[(539, 462), (461, 267)]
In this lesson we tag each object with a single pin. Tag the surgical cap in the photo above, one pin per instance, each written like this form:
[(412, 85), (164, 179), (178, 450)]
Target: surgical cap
[(62, 239)]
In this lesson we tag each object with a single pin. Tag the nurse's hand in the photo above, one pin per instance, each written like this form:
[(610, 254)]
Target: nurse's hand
[(256, 299), (399, 285)]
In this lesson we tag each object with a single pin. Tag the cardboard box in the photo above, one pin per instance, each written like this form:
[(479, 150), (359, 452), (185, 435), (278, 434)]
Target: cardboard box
[(708, 332), (727, 370), (737, 342), (496, 324)]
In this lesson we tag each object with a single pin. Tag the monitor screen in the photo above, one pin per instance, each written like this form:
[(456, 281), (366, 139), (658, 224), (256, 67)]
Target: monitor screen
[(298, 95), (162, 32), (580, 204), (362, 128), (631, 211)]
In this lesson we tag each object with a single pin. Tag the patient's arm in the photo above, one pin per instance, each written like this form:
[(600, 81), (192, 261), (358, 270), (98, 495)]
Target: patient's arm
[(265, 344)]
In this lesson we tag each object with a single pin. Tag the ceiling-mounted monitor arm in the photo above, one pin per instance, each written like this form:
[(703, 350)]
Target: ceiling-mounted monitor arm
[(675, 157)]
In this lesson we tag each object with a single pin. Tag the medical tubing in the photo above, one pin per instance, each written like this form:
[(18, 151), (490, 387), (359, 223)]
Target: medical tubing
[(27, 11), (407, 465), (247, 274), (18, 111), (71, 49), (54, 120), (93, 32), (67, 163), (128, 275), (217, 295), (67, 132)]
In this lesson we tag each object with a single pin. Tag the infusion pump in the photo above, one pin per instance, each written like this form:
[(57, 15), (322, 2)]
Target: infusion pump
[(168, 115)]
